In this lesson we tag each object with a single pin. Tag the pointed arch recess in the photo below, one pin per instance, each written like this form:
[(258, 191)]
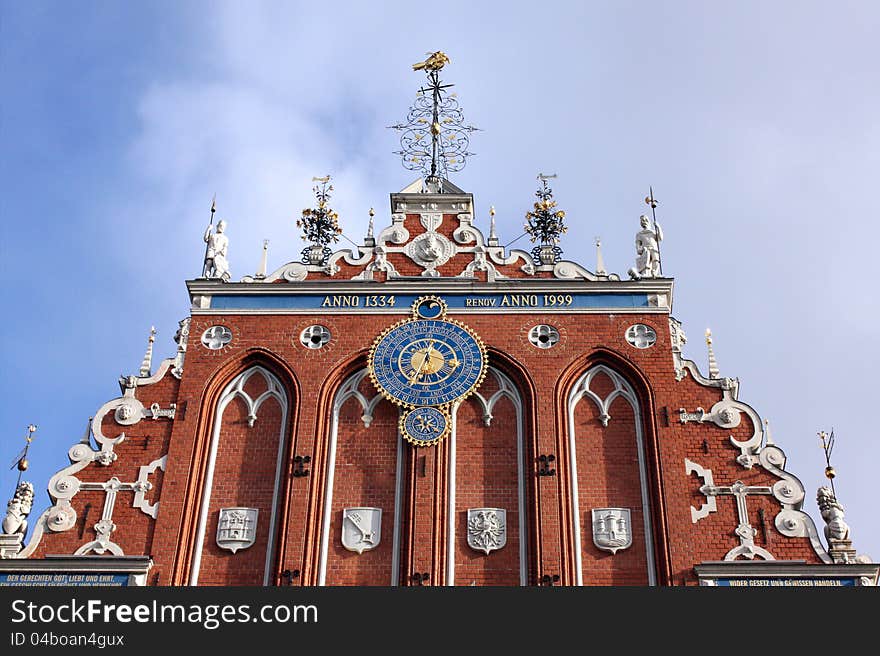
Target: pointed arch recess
[(286, 391), (629, 384), (348, 391), (507, 389)]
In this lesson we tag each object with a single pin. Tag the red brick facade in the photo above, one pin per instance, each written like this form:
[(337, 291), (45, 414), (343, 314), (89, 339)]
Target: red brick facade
[(634, 458)]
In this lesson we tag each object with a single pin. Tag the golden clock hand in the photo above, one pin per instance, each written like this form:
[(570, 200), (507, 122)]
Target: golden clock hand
[(424, 360)]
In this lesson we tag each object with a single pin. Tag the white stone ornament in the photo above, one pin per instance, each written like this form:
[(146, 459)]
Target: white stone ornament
[(237, 528), (487, 529), (430, 250), (641, 336), (361, 528), (647, 250), (216, 337), (612, 529), (216, 264)]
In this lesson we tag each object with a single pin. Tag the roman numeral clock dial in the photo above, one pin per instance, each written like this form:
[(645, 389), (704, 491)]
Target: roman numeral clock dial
[(425, 364)]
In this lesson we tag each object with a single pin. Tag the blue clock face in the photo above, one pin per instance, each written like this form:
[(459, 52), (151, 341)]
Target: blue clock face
[(427, 362), (424, 426)]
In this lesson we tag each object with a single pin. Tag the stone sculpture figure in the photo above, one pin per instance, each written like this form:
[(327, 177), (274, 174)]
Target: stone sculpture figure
[(18, 508), (216, 265), (647, 250), (832, 512)]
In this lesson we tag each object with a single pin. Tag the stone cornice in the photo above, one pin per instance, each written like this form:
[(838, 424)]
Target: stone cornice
[(204, 287)]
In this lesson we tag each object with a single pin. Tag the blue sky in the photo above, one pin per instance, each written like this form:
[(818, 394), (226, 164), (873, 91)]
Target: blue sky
[(755, 123)]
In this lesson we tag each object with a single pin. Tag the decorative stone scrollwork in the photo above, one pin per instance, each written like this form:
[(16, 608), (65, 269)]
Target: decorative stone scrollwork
[(791, 521), (744, 530), (724, 414), (710, 505), (294, 272), (572, 271), (129, 412), (181, 338)]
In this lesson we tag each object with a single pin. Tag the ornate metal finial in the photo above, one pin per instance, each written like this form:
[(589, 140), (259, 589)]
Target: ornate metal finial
[(21, 461), (434, 138), (827, 443), (768, 437), (320, 225), (264, 260), (492, 234), (713, 364), (370, 224), (87, 435), (147, 363), (545, 224), (600, 262)]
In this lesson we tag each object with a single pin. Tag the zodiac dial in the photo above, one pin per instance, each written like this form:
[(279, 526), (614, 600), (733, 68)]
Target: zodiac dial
[(427, 362)]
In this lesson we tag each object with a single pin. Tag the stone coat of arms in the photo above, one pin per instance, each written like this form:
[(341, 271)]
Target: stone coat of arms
[(361, 528), (237, 528), (612, 529), (486, 528)]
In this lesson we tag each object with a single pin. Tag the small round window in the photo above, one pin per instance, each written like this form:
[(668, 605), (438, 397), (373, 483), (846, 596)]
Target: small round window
[(641, 336), (543, 336), (216, 337), (314, 337)]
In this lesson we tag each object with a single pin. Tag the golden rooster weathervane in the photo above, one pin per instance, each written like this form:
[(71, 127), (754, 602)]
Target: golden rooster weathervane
[(434, 62)]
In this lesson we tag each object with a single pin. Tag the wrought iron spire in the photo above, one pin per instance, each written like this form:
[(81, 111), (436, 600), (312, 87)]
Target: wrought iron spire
[(545, 224), (320, 225), (434, 139)]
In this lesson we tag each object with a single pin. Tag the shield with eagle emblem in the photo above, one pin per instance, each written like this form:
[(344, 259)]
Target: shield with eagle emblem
[(486, 528)]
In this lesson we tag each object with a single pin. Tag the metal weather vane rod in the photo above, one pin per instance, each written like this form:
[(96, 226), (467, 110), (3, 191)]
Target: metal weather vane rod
[(828, 446), (653, 202), (207, 243), (21, 460), (434, 138)]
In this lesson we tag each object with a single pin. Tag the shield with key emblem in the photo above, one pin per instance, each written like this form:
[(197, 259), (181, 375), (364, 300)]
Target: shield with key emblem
[(361, 528)]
